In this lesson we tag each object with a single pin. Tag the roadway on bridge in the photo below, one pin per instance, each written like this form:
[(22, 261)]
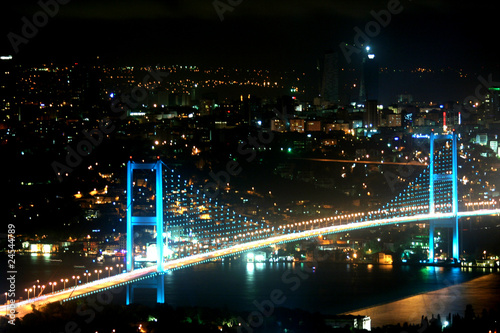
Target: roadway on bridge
[(412, 163), (82, 290)]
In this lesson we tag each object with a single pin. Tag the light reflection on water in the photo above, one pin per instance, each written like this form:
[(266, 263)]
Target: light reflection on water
[(329, 288), (250, 269), (481, 293)]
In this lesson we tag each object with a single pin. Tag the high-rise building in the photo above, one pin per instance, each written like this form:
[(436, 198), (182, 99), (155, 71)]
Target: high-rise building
[(330, 82), (7, 88), (371, 117), (405, 99), (370, 76), (368, 91), (492, 103)]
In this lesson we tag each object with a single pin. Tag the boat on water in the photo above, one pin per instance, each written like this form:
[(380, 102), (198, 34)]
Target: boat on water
[(56, 260), (78, 266)]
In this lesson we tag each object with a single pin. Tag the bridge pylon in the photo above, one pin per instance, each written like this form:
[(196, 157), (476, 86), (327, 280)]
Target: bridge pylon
[(156, 282), (154, 220), (443, 190)]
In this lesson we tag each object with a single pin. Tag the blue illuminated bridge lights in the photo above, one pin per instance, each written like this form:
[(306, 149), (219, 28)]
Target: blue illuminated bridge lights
[(204, 225)]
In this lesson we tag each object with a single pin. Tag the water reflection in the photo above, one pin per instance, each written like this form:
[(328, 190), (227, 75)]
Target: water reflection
[(332, 288), (385, 267), (250, 268), (481, 293)]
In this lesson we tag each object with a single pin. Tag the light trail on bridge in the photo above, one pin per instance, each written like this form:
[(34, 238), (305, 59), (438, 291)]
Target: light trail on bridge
[(104, 284), (412, 163)]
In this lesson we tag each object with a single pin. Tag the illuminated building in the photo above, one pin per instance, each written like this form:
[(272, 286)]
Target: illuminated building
[(297, 125), (313, 126), (492, 105), (393, 120), (6, 87)]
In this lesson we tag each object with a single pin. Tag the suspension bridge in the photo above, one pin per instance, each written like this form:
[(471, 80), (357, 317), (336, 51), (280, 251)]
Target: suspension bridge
[(191, 228)]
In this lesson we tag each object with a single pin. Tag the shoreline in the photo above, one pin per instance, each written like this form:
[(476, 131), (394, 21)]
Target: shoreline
[(451, 299)]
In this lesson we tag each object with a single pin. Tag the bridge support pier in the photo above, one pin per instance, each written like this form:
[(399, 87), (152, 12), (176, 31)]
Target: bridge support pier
[(451, 223), (157, 282)]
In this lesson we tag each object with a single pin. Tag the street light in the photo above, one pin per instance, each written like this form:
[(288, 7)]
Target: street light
[(120, 267), (109, 269), (28, 291), (87, 275), (64, 281), (53, 284), (42, 288), (76, 278), (98, 272)]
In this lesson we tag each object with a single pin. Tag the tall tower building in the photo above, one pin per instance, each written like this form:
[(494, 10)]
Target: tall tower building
[(371, 116), (330, 82), (492, 103), (370, 75), (7, 88), (368, 92)]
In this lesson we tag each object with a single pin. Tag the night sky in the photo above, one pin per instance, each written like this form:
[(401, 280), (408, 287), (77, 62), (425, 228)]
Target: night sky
[(274, 34)]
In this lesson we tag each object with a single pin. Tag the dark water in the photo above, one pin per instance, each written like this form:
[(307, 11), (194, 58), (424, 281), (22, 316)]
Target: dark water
[(329, 288)]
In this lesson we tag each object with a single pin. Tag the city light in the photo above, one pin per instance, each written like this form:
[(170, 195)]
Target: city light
[(158, 167)]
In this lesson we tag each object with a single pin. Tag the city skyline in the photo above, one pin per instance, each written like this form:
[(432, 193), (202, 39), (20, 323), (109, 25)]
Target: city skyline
[(276, 36), (339, 154)]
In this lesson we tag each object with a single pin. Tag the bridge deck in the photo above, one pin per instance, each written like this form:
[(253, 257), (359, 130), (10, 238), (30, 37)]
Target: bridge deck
[(86, 289)]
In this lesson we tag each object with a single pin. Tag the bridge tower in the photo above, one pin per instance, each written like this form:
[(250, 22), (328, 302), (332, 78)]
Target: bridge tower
[(443, 194), (155, 220)]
